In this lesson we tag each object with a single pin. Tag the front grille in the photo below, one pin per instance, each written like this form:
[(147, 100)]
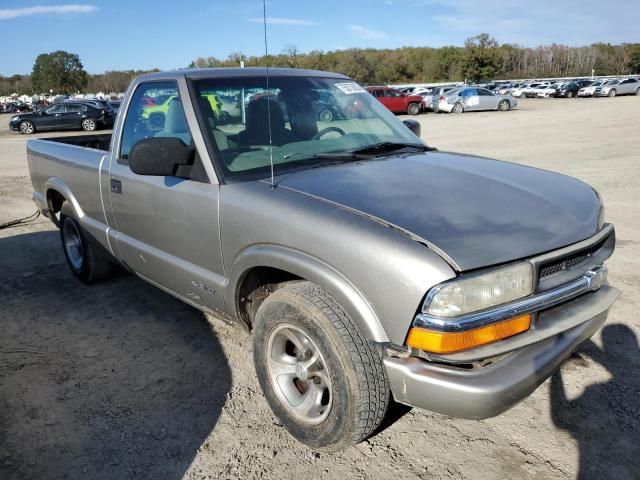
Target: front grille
[(565, 263)]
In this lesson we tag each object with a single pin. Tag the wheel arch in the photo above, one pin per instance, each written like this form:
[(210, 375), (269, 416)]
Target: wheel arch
[(262, 265), (57, 192)]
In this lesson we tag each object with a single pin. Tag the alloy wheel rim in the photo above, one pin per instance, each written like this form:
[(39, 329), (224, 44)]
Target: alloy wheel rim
[(27, 127), (73, 244), (89, 124), (298, 374)]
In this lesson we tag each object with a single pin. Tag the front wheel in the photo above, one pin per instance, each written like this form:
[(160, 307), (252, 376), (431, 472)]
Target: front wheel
[(638, 91), (323, 380), (569, 94), (503, 106), (88, 125), (612, 93), (27, 127), (325, 115), (413, 109)]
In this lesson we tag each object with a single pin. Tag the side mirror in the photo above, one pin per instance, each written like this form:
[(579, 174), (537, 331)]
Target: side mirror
[(414, 126), (162, 157)]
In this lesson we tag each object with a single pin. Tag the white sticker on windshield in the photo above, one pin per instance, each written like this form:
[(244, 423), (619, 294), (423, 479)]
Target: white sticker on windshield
[(350, 88)]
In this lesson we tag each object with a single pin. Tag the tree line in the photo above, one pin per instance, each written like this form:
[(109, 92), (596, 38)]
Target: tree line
[(481, 58)]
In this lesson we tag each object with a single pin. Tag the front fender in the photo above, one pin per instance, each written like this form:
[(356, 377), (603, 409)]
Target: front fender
[(313, 270)]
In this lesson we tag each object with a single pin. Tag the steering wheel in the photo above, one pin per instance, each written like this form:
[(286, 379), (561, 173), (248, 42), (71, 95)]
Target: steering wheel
[(324, 131)]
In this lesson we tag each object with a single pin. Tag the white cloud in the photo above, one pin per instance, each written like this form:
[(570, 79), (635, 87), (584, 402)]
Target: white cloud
[(366, 33), (8, 13), (283, 21)]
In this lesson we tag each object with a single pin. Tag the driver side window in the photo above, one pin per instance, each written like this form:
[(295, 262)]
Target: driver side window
[(59, 108), (155, 110)]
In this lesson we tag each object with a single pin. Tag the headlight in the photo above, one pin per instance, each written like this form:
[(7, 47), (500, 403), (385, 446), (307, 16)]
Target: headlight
[(478, 292), (15, 117)]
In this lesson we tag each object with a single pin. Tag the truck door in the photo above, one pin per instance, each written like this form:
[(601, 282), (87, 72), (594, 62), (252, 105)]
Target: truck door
[(167, 227)]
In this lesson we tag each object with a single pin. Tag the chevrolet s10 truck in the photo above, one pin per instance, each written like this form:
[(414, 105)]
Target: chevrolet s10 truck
[(366, 264)]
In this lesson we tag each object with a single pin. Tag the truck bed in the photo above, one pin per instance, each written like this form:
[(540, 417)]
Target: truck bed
[(96, 142), (72, 166)]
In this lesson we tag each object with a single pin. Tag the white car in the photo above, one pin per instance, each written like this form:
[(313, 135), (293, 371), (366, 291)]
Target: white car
[(549, 90), (589, 90), (627, 86)]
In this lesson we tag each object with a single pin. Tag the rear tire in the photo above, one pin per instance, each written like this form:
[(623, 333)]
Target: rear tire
[(413, 109), (346, 385), (27, 127), (85, 261), (457, 108)]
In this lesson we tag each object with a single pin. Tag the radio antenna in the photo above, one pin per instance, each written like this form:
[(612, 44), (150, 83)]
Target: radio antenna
[(266, 61)]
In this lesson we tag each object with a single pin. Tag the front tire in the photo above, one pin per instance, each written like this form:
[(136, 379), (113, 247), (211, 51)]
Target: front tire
[(27, 127), (88, 125), (325, 115), (569, 94), (504, 105), (85, 261), (413, 109), (612, 93), (323, 380)]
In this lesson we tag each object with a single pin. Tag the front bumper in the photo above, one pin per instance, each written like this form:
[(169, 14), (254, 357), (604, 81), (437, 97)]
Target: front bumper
[(486, 391), (14, 125)]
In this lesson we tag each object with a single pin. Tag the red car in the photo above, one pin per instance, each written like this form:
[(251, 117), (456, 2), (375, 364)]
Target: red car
[(397, 101)]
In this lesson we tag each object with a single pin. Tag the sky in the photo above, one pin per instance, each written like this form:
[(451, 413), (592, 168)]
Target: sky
[(167, 34)]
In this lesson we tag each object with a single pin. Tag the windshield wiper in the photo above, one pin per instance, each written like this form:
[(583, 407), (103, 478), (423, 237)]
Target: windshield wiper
[(381, 147), (362, 152)]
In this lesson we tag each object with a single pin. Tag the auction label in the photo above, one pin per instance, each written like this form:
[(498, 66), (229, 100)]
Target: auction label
[(350, 88)]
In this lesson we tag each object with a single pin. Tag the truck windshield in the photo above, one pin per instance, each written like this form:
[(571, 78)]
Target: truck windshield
[(310, 119)]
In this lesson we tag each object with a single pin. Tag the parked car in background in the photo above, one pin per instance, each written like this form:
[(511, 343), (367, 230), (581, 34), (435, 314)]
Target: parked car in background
[(397, 101), (567, 90), (473, 98), (627, 86), (430, 101), (63, 116), (115, 106), (547, 91), (590, 89)]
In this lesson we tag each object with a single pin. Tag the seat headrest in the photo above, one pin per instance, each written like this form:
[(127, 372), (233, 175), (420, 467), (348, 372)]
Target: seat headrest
[(258, 111), (176, 121)]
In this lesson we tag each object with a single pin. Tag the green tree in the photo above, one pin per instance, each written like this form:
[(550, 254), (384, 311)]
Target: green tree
[(59, 71), (482, 58), (633, 63)]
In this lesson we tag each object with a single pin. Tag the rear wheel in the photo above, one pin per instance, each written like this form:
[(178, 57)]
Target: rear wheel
[(322, 379), (88, 125), (413, 109), (503, 106), (27, 127), (457, 108), (84, 260)]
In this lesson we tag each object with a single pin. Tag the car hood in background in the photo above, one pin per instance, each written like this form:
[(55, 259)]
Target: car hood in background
[(474, 211)]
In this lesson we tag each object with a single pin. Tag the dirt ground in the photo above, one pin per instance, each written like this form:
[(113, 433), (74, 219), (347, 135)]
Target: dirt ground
[(120, 380)]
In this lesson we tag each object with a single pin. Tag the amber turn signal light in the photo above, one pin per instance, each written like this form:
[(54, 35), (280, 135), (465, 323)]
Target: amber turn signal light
[(450, 342)]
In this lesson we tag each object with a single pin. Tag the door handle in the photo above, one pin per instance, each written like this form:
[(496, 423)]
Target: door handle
[(116, 186)]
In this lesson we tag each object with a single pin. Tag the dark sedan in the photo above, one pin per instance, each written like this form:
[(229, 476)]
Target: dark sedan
[(570, 89), (63, 116)]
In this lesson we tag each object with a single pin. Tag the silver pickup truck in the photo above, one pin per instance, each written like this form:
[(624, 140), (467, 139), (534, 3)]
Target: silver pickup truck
[(364, 263)]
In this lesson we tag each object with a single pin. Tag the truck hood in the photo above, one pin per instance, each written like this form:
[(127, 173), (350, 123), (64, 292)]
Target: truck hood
[(475, 212)]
